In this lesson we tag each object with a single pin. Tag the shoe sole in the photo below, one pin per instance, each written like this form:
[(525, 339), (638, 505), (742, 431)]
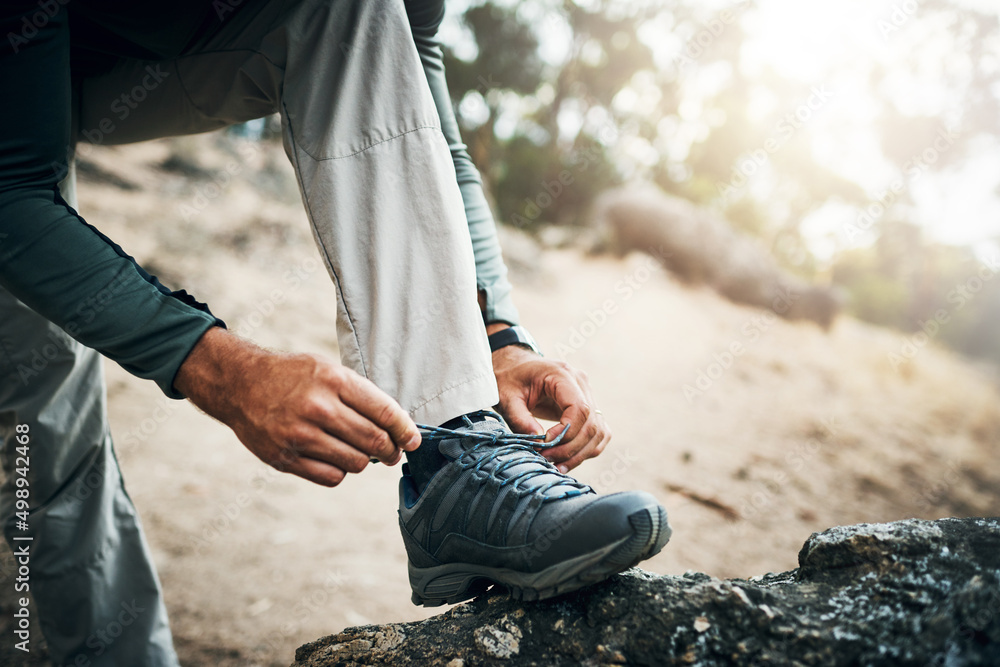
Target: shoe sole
[(452, 583)]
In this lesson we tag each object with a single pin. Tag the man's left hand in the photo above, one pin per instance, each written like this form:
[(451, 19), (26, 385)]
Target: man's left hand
[(533, 386)]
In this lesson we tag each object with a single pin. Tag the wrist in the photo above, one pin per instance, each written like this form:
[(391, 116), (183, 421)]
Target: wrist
[(212, 371), (510, 355), (509, 359)]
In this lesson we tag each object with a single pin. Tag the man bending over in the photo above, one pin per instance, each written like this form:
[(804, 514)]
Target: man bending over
[(428, 333)]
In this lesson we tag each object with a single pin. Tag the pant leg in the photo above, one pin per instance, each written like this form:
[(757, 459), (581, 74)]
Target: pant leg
[(88, 559), (379, 183), (374, 170), (91, 574)]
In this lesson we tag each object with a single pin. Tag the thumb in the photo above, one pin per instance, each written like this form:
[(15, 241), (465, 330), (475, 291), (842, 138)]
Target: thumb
[(520, 418), (557, 430)]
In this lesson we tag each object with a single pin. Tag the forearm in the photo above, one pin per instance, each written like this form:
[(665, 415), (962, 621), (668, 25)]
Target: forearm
[(211, 374), (70, 274)]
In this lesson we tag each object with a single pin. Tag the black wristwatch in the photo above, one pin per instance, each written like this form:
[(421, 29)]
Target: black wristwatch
[(515, 335)]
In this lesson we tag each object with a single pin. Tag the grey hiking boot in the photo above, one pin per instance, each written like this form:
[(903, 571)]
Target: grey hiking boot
[(496, 512)]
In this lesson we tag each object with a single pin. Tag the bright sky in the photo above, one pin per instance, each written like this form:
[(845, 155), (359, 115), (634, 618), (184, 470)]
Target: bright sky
[(800, 39)]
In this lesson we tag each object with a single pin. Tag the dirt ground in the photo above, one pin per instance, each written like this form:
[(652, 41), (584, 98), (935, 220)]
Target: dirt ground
[(800, 431)]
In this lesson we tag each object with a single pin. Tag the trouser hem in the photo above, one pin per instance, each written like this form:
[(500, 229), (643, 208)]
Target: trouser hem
[(475, 393)]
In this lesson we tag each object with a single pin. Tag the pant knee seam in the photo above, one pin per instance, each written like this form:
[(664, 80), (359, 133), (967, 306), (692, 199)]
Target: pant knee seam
[(371, 145)]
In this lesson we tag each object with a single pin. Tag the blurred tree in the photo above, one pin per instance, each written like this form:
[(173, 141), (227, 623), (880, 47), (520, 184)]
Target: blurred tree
[(563, 98), (536, 127)]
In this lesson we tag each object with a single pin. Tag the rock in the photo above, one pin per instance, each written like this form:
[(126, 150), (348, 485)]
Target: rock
[(906, 593)]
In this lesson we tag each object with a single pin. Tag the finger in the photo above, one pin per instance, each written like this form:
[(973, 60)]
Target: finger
[(588, 438), (604, 444), (566, 394), (594, 434), (572, 405), (516, 411), (318, 444), (319, 472), (575, 416), (592, 449), (577, 390), (371, 402), (356, 430), (395, 459)]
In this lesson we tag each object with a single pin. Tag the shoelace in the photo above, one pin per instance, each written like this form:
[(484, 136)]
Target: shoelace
[(501, 444)]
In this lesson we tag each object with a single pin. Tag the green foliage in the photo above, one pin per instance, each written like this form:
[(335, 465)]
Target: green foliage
[(540, 157), (552, 187), (508, 54)]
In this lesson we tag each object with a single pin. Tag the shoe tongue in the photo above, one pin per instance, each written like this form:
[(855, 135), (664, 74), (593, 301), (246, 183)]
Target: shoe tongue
[(453, 448)]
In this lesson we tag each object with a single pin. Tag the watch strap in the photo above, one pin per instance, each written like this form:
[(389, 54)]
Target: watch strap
[(515, 335)]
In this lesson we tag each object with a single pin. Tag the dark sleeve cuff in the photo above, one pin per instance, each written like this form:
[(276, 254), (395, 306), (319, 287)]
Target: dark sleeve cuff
[(76, 277)]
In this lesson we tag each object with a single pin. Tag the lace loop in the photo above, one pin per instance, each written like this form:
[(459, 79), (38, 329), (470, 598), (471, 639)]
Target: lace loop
[(535, 441), (501, 444)]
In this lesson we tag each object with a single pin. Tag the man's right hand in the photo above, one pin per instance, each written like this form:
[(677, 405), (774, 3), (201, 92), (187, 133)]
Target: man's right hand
[(299, 413)]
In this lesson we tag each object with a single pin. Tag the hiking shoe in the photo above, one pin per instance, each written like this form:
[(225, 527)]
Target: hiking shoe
[(496, 512)]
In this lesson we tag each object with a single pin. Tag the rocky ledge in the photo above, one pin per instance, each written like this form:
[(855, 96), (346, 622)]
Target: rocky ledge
[(905, 593)]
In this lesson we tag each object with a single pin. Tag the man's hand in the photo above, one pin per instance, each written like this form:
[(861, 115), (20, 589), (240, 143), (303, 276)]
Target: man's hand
[(299, 413), (532, 385)]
